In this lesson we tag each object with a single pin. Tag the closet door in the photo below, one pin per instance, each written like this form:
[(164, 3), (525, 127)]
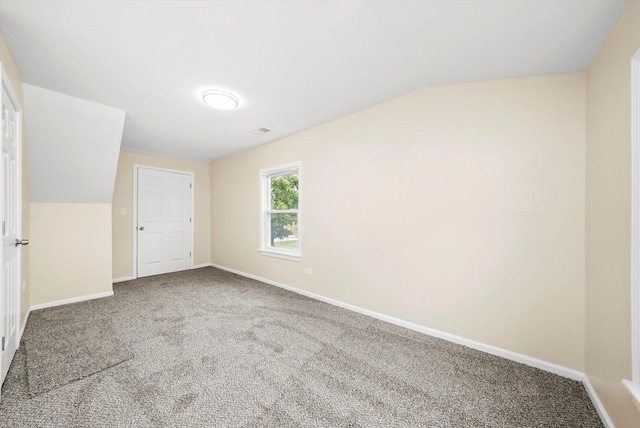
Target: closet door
[(164, 221)]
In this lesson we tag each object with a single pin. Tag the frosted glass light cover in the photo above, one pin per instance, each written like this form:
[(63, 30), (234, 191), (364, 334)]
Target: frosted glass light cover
[(220, 100)]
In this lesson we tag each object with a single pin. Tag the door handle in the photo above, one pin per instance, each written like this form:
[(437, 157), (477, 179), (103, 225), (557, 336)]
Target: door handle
[(141, 228), (22, 242)]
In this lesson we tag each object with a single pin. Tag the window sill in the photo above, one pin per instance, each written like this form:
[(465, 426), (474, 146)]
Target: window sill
[(286, 256), (633, 389)]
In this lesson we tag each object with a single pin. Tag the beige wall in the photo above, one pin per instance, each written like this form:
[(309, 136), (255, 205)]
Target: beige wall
[(123, 198), (608, 208), (459, 207), (70, 251), (16, 82)]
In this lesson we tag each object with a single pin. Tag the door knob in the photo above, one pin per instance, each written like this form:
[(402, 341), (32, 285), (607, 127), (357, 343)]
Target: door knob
[(141, 228), (22, 242)]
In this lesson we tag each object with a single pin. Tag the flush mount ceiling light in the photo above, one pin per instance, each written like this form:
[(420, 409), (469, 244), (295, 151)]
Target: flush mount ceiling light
[(221, 100)]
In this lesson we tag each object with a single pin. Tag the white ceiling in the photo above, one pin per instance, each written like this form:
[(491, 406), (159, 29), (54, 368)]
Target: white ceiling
[(293, 64)]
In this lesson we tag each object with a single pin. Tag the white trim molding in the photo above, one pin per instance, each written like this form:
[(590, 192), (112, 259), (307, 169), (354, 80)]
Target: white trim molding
[(59, 303), (266, 249), (489, 349), (633, 389), (134, 251), (634, 385), (13, 340), (24, 324), (604, 416), (70, 300), (203, 265), (131, 278)]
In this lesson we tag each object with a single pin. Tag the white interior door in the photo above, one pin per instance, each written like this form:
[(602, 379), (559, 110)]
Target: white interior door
[(11, 190), (164, 220)]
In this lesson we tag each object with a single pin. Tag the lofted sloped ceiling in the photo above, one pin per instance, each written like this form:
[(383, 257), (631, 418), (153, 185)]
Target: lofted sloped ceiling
[(73, 147), (292, 64)]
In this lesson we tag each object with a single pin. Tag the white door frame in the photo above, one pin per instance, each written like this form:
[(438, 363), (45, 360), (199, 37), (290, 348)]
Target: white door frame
[(633, 385), (6, 84), (136, 167)]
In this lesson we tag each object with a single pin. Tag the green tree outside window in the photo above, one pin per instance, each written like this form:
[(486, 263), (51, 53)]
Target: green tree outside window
[(284, 196)]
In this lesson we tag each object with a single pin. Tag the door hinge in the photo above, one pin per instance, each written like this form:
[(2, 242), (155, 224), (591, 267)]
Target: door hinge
[(3, 227), (190, 220), (189, 253), (3, 112), (190, 185), (3, 342)]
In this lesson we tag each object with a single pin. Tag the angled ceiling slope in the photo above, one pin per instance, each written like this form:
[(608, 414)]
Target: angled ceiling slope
[(73, 147), (292, 65)]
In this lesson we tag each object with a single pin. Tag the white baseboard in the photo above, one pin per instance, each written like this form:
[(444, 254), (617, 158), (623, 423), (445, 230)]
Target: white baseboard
[(24, 324), (71, 300), (58, 303), (201, 266), (490, 349), (131, 278), (604, 417)]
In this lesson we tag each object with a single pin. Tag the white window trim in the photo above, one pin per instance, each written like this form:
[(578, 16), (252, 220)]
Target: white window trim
[(634, 385), (265, 248)]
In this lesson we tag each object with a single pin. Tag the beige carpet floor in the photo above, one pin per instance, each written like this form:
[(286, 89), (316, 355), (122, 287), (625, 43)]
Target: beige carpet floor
[(212, 349)]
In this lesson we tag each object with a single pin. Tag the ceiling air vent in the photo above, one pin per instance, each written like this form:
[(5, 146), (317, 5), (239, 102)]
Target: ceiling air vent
[(260, 131)]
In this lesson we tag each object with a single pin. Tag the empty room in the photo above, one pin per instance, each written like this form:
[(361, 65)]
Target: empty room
[(319, 213)]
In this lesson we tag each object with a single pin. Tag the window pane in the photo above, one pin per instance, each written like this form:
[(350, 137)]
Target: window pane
[(284, 231), (284, 192)]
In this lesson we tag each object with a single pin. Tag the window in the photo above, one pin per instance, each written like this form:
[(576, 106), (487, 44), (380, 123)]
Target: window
[(280, 226)]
